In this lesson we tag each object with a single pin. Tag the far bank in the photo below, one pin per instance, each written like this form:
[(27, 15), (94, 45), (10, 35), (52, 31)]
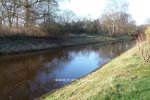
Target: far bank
[(19, 44)]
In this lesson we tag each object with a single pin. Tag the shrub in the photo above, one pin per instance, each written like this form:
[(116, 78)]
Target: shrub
[(144, 51), (147, 32)]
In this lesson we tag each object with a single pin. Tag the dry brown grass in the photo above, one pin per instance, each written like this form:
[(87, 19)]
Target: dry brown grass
[(32, 31), (144, 51)]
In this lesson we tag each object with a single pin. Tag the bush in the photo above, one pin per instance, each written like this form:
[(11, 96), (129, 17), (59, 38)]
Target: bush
[(144, 51), (147, 32)]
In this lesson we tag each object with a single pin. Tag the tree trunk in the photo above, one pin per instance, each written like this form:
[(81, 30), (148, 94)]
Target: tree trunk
[(0, 25), (114, 30), (27, 17), (110, 33), (27, 14), (17, 20), (10, 21), (15, 13), (48, 11)]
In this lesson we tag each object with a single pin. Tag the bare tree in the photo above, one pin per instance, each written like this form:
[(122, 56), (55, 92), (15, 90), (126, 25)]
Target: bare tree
[(115, 18)]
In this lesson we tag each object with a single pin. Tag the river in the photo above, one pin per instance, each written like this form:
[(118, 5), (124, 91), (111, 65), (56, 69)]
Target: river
[(28, 76)]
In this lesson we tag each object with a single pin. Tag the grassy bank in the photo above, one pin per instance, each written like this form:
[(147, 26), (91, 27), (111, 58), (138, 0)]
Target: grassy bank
[(126, 77), (22, 44)]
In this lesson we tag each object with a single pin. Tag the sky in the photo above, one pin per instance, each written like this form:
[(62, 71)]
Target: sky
[(139, 9)]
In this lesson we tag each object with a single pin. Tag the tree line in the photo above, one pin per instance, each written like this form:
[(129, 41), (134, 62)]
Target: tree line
[(44, 17)]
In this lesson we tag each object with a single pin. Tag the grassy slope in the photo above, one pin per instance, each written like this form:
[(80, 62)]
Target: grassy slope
[(127, 77)]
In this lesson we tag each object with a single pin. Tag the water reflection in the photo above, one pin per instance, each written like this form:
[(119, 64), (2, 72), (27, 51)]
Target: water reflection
[(24, 77)]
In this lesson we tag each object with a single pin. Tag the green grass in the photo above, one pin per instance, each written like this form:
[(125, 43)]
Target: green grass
[(126, 77)]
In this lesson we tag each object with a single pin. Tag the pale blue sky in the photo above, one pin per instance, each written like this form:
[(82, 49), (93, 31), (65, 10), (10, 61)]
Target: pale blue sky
[(139, 9)]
